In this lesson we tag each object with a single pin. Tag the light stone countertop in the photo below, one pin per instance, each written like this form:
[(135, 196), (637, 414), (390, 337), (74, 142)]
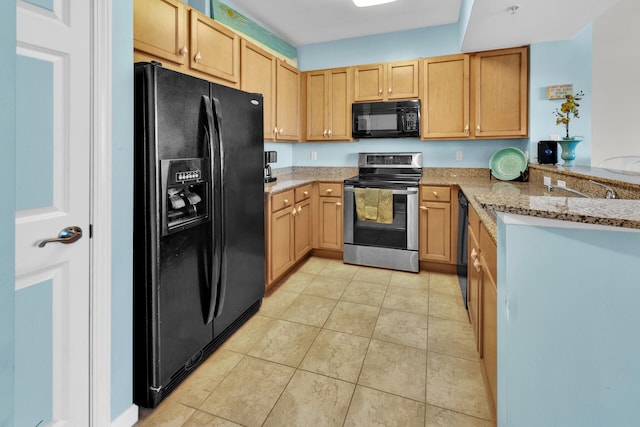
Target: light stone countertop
[(488, 195)]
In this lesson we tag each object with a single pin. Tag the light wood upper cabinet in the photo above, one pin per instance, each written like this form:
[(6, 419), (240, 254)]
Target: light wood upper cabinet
[(258, 75), (287, 126), (329, 105), (369, 82), (215, 49), (402, 79), (500, 93), (391, 80), (160, 29), (445, 97)]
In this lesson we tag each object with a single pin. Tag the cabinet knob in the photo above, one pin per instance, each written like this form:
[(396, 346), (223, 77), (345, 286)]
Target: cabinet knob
[(380, 92), (324, 133), (330, 133), (338, 204), (477, 264), (280, 131), (198, 57), (478, 128), (299, 209), (294, 212), (184, 51), (285, 202), (435, 193), (466, 129), (474, 254), (424, 208), (306, 193), (329, 190), (390, 90)]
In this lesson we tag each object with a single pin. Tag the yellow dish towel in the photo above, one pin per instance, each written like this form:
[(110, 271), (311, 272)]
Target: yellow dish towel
[(385, 207), (371, 203), (359, 193)]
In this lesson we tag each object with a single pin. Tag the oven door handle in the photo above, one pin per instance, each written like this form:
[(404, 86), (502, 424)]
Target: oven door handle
[(350, 188)]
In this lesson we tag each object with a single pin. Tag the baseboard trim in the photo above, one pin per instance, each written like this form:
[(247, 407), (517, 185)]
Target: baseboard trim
[(126, 419)]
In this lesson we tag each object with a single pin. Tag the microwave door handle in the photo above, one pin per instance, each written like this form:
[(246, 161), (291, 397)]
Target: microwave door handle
[(214, 166)]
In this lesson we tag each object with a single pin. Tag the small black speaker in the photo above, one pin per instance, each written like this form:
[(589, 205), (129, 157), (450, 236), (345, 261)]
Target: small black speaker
[(548, 152)]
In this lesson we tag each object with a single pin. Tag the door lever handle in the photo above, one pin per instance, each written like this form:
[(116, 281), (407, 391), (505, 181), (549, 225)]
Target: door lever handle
[(67, 235)]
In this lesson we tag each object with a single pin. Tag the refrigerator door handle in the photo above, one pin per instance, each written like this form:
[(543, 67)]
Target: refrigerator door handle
[(217, 114), (215, 263)]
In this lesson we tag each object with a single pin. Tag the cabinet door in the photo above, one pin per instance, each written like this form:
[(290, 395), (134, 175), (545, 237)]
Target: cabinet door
[(445, 85), (302, 234), (474, 276), (258, 75), (287, 102), (215, 50), (435, 231), (402, 79), (330, 223), (340, 104), (369, 82), (317, 105), (159, 29), (501, 104), (281, 254)]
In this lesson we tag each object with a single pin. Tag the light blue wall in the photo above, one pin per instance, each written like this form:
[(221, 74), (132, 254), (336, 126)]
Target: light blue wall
[(555, 63), (122, 211), (567, 315), (7, 208)]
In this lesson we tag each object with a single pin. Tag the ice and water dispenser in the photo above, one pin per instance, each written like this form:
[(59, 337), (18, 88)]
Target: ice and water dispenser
[(185, 190)]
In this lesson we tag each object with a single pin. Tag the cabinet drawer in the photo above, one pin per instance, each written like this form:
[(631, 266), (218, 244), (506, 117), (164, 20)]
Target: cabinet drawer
[(432, 193), (330, 189), (303, 193), (281, 200)]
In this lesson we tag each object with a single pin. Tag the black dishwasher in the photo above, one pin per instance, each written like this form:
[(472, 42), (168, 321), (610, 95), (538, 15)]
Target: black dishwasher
[(463, 242)]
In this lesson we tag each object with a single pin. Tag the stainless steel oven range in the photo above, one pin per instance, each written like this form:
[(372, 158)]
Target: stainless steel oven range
[(381, 211)]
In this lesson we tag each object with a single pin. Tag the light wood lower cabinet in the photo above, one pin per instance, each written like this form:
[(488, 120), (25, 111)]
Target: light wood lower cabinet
[(435, 224), (330, 216), (280, 234), (302, 222), (482, 301)]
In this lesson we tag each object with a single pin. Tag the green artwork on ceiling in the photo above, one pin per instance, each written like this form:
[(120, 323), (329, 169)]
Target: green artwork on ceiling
[(223, 13)]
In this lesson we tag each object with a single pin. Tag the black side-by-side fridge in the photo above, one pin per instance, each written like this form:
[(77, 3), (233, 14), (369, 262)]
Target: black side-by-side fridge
[(198, 223)]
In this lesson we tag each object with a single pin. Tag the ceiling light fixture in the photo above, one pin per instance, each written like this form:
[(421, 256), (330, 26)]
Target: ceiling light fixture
[(367, 3)]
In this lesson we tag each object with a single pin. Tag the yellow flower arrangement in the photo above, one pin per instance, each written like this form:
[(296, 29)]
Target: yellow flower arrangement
[(567, 109)]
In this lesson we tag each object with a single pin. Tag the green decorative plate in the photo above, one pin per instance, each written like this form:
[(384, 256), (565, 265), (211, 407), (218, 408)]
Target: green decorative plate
[(507, 164)]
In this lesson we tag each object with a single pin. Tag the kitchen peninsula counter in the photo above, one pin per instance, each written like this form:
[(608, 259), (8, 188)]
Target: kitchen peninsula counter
[(488, 195)]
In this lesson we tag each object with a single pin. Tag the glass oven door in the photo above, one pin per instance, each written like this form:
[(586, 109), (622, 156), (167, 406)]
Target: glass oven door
[(391, 223)]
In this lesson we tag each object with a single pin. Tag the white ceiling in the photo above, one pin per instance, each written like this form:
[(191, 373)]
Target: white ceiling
[(491, 26)]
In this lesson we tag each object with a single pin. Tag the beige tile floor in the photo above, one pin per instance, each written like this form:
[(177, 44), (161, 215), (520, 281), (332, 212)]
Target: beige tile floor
[(341, 345)]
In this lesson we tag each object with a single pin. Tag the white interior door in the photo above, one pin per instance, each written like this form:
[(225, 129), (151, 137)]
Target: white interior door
[(53, 148)]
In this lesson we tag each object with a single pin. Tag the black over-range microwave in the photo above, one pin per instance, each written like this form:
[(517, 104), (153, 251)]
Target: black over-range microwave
[(390, 119)]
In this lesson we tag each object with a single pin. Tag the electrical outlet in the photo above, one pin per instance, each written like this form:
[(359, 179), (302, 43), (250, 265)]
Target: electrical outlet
[(562, 184), (546, 181), (459, 155), (314, 155)]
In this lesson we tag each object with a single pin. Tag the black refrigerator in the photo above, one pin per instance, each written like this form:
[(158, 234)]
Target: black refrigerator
[(198, 250)]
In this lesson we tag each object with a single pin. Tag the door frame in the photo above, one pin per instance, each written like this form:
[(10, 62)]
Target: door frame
[(100, 215)]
